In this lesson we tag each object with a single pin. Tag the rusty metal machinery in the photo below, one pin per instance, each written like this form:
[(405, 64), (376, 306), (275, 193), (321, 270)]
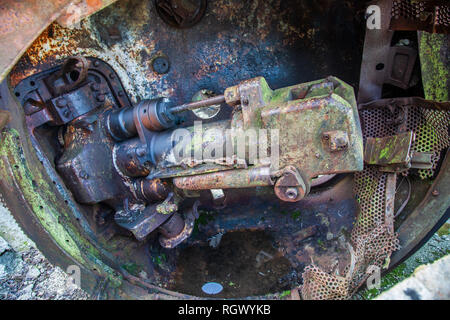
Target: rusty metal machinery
[(145, 143), (125, 156)]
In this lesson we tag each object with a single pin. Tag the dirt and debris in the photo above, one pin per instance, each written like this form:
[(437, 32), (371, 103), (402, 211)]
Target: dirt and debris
[(29, 276), (245, 258), (25, 274)]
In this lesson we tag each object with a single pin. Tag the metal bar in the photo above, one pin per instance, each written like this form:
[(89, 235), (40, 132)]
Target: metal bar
[(391, 185), (198, 104), (234, 179)]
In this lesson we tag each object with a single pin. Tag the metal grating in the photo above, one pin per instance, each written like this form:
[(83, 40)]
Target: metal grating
[(431, 16), (372, 240)]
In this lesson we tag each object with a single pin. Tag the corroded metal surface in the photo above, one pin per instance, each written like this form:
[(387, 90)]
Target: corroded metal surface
[(234, 41), (375, 57), (21, 22), (392, 150), (316, 108), (230, 179)]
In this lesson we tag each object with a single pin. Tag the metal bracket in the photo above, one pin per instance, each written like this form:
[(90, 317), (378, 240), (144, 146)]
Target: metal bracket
[(394, 153)]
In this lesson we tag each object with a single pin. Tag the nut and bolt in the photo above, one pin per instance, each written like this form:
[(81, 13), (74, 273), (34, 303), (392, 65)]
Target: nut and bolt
[(61, 103), (161, 65)]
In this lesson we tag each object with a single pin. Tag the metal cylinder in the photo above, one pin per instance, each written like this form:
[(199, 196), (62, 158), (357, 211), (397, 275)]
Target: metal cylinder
[(121, 125), (173, 227), (153, 115), (230, 179), (151, 190), (128, 159)]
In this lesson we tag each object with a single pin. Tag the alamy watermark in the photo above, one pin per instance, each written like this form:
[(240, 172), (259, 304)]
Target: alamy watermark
[(201, 145), (74, 273), (374, 280), (373, 15)]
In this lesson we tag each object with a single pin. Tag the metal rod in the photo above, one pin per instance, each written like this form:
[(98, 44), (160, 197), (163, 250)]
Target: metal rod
[(198, 104)]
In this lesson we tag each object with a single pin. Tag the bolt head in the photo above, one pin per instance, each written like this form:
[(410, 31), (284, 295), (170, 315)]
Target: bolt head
[(161, 65), (61, 103)]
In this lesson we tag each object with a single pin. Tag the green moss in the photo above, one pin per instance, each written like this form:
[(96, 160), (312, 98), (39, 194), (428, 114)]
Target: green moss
[(285, 294), (321, 244), (387, 282), (295, 215), (159, 259), (444, 230), (435, 73), (42, 200), (132, 268)]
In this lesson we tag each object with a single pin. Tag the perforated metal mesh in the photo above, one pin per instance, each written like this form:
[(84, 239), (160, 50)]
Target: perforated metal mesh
[(372, 239), (431, 128), (431, 16), (319, 285), (443, 16), (406, 9)]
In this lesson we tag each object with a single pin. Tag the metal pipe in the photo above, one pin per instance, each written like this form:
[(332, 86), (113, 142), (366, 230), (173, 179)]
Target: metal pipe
[(198, 104), (230, 179)]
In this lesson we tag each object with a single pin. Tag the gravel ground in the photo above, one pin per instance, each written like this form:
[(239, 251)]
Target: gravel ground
[(29, 276), (25, 274)]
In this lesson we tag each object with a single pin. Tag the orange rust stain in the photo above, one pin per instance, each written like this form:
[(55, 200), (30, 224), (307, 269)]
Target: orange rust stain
[(54, 44), (94, 3)]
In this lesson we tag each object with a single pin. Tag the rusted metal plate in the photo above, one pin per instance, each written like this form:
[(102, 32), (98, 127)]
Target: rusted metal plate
[(375, 58), (318, 125), (234, 41), (392, 150), (21, 22)]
